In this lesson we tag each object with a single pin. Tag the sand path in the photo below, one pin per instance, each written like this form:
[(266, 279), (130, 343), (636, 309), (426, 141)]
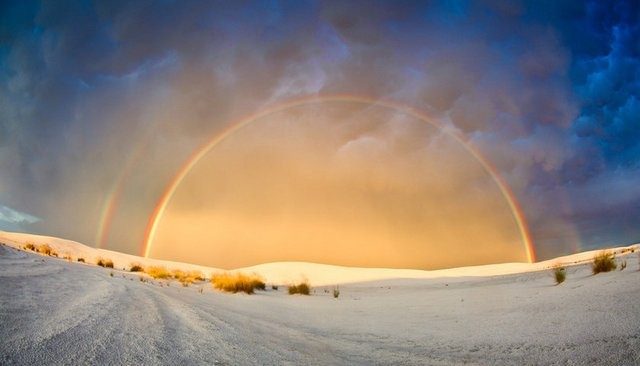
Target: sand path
[(56, 312)]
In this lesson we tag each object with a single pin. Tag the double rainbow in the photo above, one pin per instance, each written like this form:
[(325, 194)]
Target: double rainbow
[(238, 124)]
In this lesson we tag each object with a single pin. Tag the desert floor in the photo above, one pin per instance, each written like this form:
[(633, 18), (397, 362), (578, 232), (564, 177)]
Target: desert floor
[(57, 312)]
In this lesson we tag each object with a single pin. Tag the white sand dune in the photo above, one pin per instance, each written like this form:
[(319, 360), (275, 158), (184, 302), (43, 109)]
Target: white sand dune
[(290, 272), (57, 312)]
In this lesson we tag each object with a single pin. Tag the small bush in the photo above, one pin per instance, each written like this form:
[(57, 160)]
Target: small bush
[(559, 274), (111, 274), (336, 292), (302, 288), (67, 257), (107, 263), (623, 265), (135, 267), (30, 246), (158, 272), (237, 282), (603, 262), (274, 287), (81, 260)]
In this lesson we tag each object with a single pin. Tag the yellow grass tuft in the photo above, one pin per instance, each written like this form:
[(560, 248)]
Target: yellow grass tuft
[(158, 272), (30, 246), (303, 288), (237, 282), (187, 277)]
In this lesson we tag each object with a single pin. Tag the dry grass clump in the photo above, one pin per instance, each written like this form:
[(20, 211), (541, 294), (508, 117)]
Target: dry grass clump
[(158, 272), (136, 267), (102, 262), (336, 292), (603, 262), (81, 260), (302, 288), (44, 249), (67, 257), (187, 277), (30, 246), (237, 282), (559, 273)]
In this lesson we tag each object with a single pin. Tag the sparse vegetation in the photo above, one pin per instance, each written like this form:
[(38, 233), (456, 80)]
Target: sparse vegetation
[(111, 274), (623, 265), (559, 273), (30, 246), (136, 267), (237, 282), (158, 272), (81, 260), (603, 262), (336, 292), (274, 287), (67, 257), (302, 288)]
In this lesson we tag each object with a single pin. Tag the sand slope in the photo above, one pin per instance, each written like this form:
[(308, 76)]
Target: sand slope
[(289, 272), (56, 312)]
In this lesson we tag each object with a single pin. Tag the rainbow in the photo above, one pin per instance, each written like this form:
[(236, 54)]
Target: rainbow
[(238, 124), (110, 205)]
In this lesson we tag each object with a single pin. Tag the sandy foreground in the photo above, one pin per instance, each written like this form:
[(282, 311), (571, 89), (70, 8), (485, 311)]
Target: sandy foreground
[(57, 312)]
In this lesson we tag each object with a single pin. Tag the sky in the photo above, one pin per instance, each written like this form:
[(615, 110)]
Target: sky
[(101, 104)]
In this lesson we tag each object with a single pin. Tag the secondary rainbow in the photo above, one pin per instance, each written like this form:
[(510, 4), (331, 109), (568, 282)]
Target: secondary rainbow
[(236, 125)]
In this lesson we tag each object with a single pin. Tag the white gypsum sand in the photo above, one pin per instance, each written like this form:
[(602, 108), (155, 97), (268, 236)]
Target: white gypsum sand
[(57, 312)]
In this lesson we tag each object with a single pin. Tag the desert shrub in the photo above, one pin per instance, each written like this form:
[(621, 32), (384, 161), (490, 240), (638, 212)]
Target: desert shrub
[(158, 272), (102, 262), (196, 275), (559, 274), (603, 262), (81, 260), (187, 278), (623, 265), (45, 249), (54, 254), (274, 287), (237, 282), (111, 274), (336, 292), (67, 257), (177, 273), (136, 267), (30, 246), (302, 288)]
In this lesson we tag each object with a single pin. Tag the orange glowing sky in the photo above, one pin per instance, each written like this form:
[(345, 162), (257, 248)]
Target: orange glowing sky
[(345, 184)]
